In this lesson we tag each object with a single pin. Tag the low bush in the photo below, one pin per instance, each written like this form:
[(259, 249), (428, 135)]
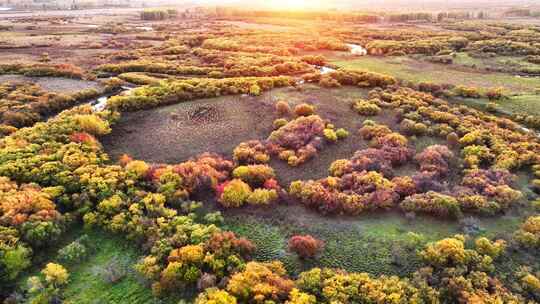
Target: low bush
[(254, 175), (298, 140), (43, 70), (435, 159), (278, 123), (305, 246), (283, 108), (432, 203), (251, 152), (326, 81), (361, 78), (410, 127), (73, 252), (467, 92), (304, 109), (366, 108), (351, 193), (113, 270), (317, 60), (262, 197), (528, 234), (342, 133), (330, 135)]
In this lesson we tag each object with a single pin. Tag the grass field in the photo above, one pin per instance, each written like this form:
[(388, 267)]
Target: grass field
[(529, 104), (88, 285), (372, 243), (465, 59), (519, 104), (409, 69)]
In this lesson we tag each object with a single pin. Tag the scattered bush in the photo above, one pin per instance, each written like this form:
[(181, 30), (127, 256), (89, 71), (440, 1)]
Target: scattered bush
[(435, 159), (529, 233), (252, 152), (342, 133), (55, 274), (305, 246), (73, 252), (280, 122), (330, 135), (304, 109), (283, 108), (234, 193), (366, 108), (254, 175), (432, 203)]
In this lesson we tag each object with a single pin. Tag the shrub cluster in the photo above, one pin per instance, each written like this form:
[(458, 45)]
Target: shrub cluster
[(43, 70), (432, 203), (435, 160), (366, 108), (23, 104), (252, 184), (528, 234), (147, 66), (389, 149), (251, 152), (352, 193), (175, 91), (298, 140), (341, 77), (494, 185)]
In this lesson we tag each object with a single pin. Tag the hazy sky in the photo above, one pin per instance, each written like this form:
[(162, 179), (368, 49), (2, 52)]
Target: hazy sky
[(431, 4)]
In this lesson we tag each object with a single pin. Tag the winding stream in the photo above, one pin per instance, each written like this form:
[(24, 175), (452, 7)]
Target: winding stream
[(326, 70), (99, 104), (357, 50)]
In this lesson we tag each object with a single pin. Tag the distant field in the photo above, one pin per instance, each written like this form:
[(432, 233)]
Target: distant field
[(419, 71), (524, 103)]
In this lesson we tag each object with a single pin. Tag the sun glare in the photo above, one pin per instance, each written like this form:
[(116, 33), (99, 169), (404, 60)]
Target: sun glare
[(289, 4)]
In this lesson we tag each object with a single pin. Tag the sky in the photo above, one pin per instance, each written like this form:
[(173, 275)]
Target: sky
[(369, 4)]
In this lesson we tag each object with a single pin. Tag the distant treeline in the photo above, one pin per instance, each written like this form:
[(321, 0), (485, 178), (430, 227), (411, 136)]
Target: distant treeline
[(441, 16), (158, 14), (226, 12), (521, 12), (312, 15)]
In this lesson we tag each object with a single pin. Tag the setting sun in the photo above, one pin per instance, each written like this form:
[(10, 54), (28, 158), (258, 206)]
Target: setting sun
[(290, 4)]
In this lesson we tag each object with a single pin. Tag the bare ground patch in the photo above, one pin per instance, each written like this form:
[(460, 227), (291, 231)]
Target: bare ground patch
[(176, 133)]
